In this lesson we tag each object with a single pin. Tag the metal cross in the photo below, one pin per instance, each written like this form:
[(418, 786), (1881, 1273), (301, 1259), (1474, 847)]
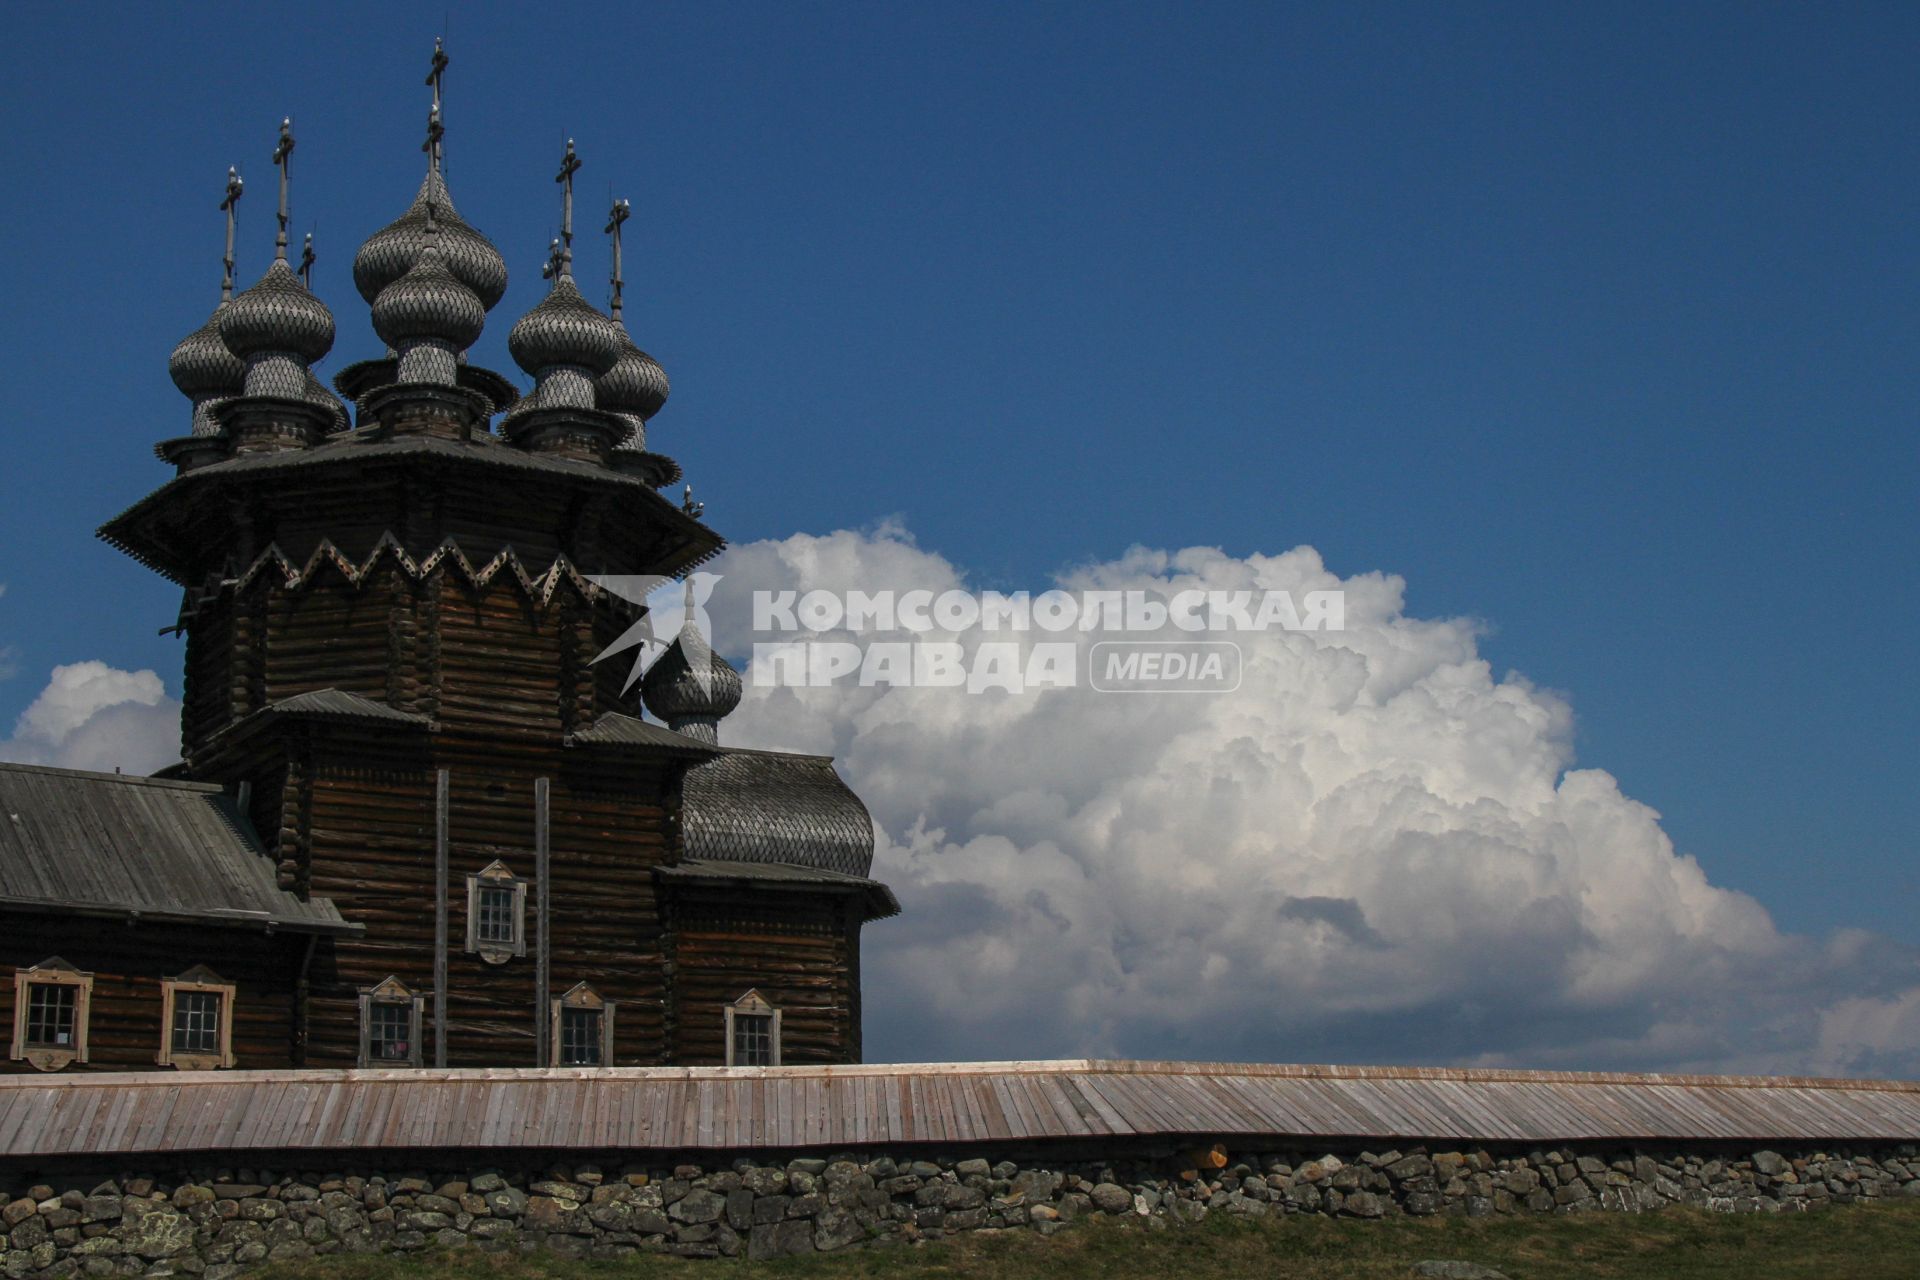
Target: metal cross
[(569, 165), (283, 157), (552, 270), (622, 210), (228, 206), (692, 508), (435, 129), (306, 262)]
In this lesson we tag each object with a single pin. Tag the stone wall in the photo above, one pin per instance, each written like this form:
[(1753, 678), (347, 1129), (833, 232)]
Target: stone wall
[(216, 1221)]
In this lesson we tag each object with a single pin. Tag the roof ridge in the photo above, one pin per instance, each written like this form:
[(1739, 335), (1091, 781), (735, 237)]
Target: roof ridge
[(135, 779)]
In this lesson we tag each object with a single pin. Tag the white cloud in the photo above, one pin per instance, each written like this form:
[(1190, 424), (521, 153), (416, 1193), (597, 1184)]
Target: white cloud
[(1375, 850), (93, 716)]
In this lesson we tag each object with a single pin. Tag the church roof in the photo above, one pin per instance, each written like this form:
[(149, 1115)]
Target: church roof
[(775, 807), (146, 848)]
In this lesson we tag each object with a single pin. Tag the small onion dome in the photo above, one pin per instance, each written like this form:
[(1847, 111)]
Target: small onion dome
[(636, 385), (318, 394), (428, 304), (690, 686), (202, 366), (279, 314), (392, 251), (564, 330)]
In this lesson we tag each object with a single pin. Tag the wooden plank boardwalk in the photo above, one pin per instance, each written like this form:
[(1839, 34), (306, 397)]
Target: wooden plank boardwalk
[(944, 1104)]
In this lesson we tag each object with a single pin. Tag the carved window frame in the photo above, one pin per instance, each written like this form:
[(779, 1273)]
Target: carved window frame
[(496, 876), (582, 996), (753, 1005), (199, 978), (392, 993), (51, 972)]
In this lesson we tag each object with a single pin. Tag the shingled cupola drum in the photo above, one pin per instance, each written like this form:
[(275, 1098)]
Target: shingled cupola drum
[(691, 687)]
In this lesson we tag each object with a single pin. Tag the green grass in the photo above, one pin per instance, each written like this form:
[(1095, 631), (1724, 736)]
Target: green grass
[(1880, 1242)]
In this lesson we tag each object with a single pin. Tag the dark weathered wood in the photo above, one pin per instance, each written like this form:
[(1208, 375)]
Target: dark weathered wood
[(440, 787), (543, 887)]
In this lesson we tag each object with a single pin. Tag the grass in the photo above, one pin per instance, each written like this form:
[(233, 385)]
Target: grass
[(1880, 1242)]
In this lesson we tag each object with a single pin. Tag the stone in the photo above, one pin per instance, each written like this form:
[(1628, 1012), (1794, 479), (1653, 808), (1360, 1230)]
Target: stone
[(740, 1209), (1413, 1166), (836, 1229), (154, 1232), (1440, 1270), (1363, 1204), (237, 1190), (1109, 1198), (508, 1202), (548, 1213), (698, 1205), (770, 1209), (779, 1240), (973, 1169), (1771, 1163), (487, 1182)]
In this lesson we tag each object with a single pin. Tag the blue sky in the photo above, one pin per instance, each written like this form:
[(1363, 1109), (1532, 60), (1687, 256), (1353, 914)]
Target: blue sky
[(1594, 322)]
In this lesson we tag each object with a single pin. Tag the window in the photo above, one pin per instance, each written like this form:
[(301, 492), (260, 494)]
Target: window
[(753, 1032), (496, 914), (582, 1029), (196, 1021), (390, 1025), (50, 1006)]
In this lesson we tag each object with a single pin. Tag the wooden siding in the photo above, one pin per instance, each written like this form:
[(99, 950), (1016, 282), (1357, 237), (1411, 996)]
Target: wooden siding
[(796, 953), (990, 1105), (124, 1021)]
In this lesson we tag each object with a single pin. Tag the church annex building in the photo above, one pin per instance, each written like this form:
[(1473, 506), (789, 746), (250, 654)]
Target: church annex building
[(414, 823)]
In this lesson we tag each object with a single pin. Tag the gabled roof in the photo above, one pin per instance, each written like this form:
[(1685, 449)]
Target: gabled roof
[(338, 704), (772, 806), (110, 845), (782, 877)]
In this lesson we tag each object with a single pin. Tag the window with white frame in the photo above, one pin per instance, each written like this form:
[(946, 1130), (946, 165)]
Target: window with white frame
[(50, 1007), (753, 1032), (582, 1029), (390, 1020), (196, 1021), (496, 914)]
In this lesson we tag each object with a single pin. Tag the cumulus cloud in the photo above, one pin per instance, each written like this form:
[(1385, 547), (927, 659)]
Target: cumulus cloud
[(93, 716), (1376, 849)]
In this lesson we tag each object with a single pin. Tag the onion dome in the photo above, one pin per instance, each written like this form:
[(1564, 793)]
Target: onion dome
[(636, 386), (691, 687), (205, 371), (429, 317), (392, 251), (565, 331), (278, 327)]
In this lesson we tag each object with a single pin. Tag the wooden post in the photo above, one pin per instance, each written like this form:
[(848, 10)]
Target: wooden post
[(440, 790), (542, 904)]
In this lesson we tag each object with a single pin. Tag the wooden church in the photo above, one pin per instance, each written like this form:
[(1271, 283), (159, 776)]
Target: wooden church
[(415, 823)]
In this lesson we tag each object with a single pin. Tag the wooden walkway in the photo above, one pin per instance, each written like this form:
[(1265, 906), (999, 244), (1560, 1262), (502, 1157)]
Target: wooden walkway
[(1000, 1103)]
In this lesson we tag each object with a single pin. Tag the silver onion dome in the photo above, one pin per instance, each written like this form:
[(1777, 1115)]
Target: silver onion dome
[(275, 326), (428, 303), (278, 314), (205, 371), (392, 251), (565, 333), (691, 687), (636, 385)]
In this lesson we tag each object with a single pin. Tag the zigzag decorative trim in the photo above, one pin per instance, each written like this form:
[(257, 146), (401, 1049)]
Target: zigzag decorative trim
[(539, 586)]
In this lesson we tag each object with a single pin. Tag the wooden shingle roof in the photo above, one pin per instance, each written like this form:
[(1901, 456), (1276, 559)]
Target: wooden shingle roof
[(945, 1105), (150, 848)]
